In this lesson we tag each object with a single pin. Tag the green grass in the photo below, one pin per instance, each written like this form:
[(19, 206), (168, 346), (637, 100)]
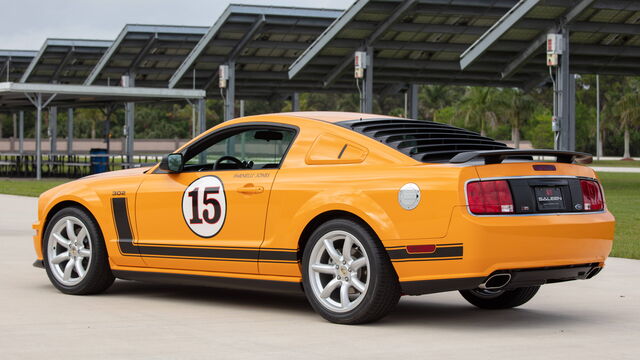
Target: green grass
[(28, 187), (616, 163), (622, 192)]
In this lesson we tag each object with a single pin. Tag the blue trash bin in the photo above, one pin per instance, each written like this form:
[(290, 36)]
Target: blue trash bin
[(99, 161)]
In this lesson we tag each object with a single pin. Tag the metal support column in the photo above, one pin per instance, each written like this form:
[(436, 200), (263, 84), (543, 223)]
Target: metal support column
[(21, 132), (230, 93), (295, 101), (202, 123), (69, 131), (202, 115), (241, 108), (53, 129), (38, 135), (565, 98), (15, 132), (368, 83), (130, 110), (598, 139), (412, 97)]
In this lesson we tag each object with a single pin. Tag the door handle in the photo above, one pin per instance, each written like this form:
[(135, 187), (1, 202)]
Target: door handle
[(251, 189)]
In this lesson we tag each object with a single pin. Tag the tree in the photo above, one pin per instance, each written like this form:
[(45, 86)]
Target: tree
[(479, 107), (629, 107), (518, 109)]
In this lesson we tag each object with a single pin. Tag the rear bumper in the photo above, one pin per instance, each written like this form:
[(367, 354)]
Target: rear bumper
[(519, 278), (476, 247)]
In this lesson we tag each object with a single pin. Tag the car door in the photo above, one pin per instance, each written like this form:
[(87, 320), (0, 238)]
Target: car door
[(211, 216)]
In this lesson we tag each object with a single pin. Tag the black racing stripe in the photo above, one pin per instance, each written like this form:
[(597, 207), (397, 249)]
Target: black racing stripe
[(342, 151), (278, 255), (452, 251), (433, 259), (125, 241), (123, 226)]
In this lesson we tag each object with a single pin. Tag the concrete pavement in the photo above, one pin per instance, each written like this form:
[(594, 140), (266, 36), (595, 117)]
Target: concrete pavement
[(616, 169), (598, 318)]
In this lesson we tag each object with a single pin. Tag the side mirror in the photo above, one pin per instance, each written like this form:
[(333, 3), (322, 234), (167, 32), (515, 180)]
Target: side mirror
[(172, 162)]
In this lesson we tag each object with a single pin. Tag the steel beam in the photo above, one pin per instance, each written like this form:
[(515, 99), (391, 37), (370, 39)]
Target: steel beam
[(412, 101), (368, 83), (398, 12), (202, 115), (230, 93), (70, 131), (21, 132), (130, 111), (564, 98), (496, 31), (295, 101), (533, 48), (53, 129)]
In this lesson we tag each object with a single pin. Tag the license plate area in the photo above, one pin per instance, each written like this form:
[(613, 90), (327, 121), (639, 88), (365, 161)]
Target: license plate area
[(546, 195), (549, 198)]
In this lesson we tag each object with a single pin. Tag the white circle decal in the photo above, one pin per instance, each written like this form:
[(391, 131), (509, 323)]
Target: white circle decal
[(409, 196), (204, 206)]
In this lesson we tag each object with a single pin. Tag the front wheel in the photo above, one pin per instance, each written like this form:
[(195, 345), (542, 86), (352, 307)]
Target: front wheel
[(347, 276), (75, 256), (499, 299)]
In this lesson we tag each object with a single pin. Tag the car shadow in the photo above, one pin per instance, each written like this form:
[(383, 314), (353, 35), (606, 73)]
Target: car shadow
[(463, 315), (418, 312), (211, 295)]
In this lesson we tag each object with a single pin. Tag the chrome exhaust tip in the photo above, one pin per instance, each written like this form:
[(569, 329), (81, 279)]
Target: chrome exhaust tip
[(495, 282)]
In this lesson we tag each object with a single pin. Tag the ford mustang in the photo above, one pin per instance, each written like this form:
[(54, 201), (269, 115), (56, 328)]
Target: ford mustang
[(355, 210)]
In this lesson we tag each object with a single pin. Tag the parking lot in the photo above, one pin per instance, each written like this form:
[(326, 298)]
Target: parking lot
[(599, 318)]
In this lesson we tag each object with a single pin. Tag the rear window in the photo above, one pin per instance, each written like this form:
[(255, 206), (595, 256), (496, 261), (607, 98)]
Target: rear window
[(425, 141)]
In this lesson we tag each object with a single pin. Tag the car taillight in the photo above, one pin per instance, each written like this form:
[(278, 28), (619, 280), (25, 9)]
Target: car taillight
[(591, 195), (489, 197)]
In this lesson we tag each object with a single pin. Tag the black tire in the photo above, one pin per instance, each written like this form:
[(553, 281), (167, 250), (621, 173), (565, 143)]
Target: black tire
[(383, 290), (506, 299), (98, 276)]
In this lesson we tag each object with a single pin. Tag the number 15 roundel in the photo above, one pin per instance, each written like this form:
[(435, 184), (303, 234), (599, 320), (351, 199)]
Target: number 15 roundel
[(204, 206)]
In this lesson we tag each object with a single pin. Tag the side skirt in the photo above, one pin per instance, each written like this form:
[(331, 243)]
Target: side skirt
[(212, 281), (436, 286)]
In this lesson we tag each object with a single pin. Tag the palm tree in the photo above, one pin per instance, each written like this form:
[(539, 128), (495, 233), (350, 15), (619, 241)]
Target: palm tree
[(629, 107), (479, 106), (518, 108)]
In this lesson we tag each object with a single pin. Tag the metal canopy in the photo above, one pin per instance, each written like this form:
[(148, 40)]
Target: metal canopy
[(413, 41), (13, 95), (13, 63), (151, 53), (262, 42), (65, 61), (604, 38)]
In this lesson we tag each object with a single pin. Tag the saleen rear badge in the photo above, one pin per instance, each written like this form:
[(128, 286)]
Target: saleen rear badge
[(204, 206)]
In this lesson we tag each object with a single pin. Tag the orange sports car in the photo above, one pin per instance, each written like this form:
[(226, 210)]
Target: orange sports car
[(353, 209)]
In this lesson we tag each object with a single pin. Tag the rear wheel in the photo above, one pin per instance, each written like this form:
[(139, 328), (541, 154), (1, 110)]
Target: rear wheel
[(75, 257), (499, 299), (347, 276)]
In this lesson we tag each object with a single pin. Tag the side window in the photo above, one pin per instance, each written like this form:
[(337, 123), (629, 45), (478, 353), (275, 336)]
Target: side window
[(249, 148)]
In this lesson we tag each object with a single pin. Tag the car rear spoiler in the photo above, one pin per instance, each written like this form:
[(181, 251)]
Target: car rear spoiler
[(497, 156)]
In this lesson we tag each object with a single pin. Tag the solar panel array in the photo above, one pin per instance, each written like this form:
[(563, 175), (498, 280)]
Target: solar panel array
[(280, 50), (13, 63), (65, 61), (263, 42), (151, 52), (605, 39)]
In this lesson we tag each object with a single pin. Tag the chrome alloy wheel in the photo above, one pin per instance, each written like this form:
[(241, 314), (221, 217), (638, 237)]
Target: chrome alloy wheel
[(69, 251), (339, 271)]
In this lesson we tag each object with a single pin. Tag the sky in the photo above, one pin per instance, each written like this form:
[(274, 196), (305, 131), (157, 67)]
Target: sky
[(26, 24)]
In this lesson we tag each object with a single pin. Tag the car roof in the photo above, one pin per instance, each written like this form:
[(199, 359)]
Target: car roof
[(336, 116)]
